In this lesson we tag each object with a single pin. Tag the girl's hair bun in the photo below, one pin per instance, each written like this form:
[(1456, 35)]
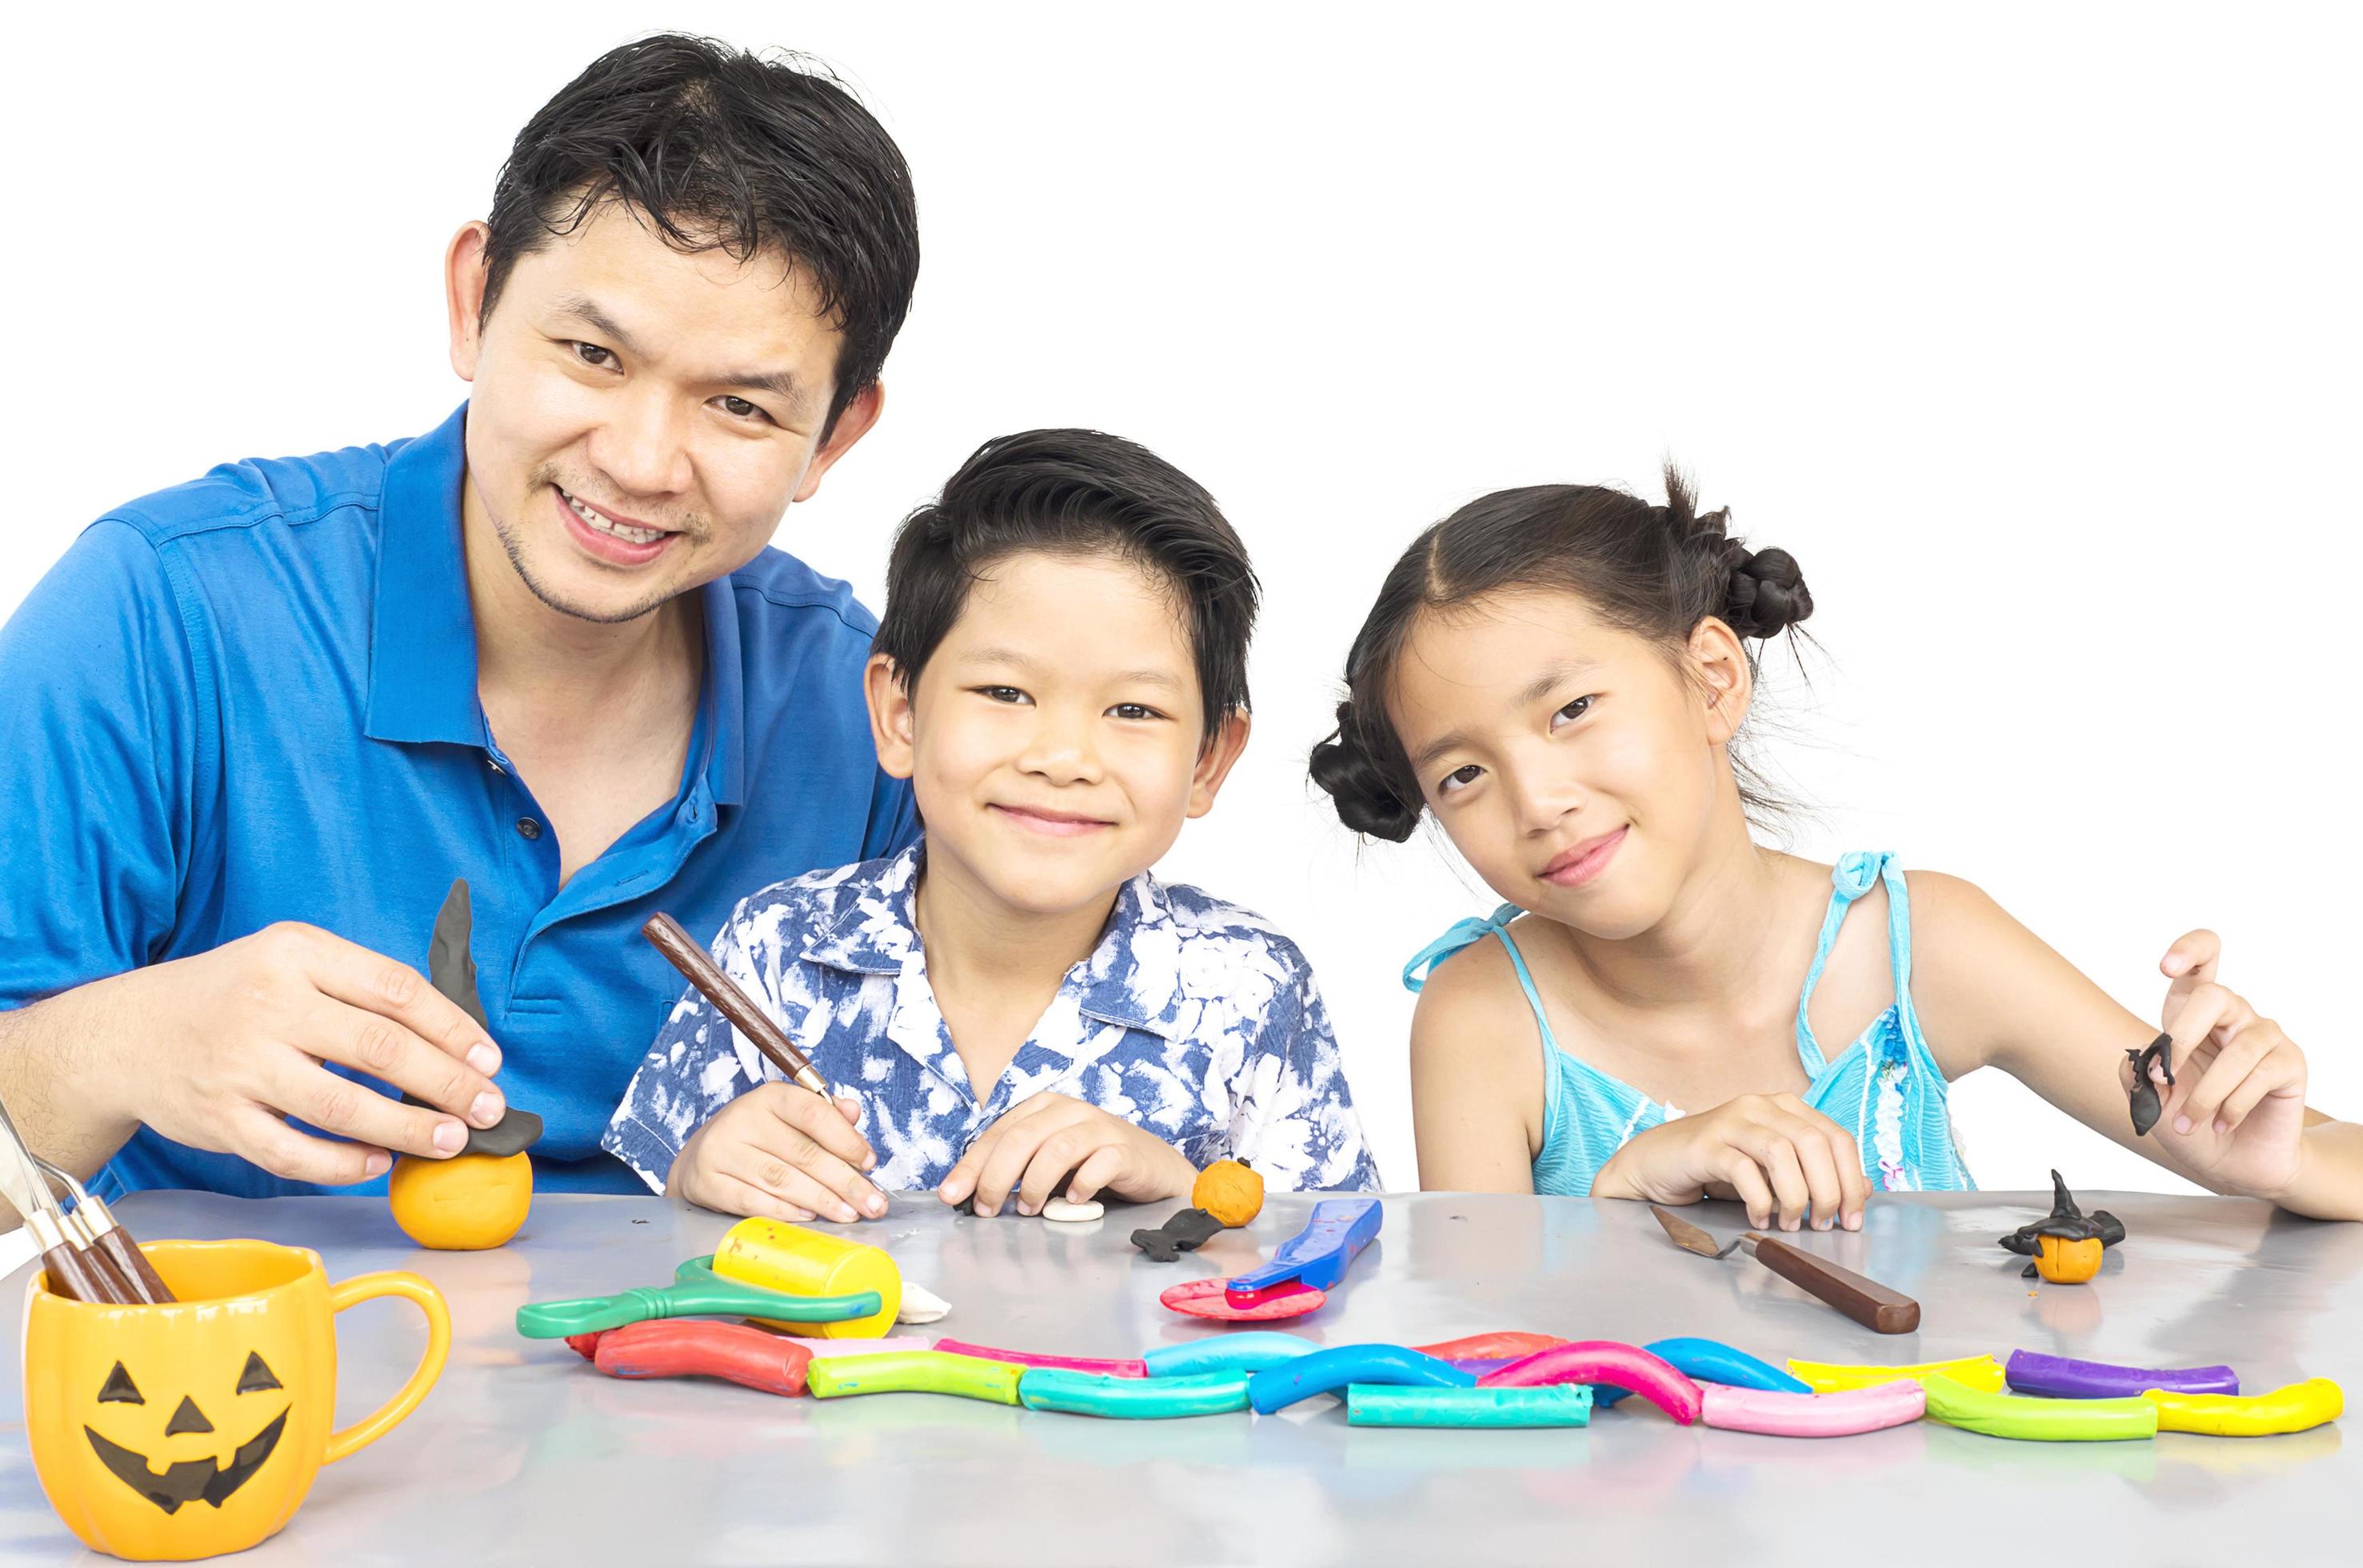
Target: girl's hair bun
[(1767, 595), (1366, 799)]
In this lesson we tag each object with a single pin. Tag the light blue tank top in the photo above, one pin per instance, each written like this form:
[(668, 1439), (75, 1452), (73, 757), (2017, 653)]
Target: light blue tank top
[(1885, 1088)]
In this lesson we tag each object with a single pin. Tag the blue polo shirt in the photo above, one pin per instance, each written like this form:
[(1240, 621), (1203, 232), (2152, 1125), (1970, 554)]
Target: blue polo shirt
[(252, 698)]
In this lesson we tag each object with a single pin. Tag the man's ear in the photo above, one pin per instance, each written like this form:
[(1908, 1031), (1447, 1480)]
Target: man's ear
[(851, 426), (464, 276), (1719, 666), (890, 716), (1214, 762)]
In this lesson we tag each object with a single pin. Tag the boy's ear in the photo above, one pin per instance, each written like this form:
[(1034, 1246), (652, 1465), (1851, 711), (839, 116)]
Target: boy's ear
[(1214, 762), (890, 716), (1719, 664)]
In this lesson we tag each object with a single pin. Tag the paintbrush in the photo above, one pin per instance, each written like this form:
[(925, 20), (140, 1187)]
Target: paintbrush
[(665, 934), (1868, 1302), (75, 1273), (109, 1240)]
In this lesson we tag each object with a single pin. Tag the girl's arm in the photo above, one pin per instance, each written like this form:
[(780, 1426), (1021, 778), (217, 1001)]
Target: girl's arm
[(1992, 993), (1475, 1077)]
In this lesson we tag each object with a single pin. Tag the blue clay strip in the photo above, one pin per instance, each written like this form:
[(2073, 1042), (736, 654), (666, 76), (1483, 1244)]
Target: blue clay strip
[(1711, 1360), (1327, 1372), (1133, 1398), (1251, 1350)]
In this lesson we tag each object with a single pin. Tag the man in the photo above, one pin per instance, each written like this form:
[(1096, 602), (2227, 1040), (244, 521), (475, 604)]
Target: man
[(258, 723)]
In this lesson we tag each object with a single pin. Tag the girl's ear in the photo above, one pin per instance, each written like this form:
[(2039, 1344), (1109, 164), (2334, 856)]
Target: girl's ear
[(1719, 665), (1215, 764), (890, 716)]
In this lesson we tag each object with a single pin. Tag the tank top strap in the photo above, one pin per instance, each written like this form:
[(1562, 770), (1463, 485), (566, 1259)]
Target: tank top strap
[(1468, 932), (1854, 875), (1463, 934), (1899, 937)]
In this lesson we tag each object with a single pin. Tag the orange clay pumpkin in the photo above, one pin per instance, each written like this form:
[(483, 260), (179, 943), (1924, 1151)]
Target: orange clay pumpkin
[(1230, 1190), (463, 1204), (2067, 1262)]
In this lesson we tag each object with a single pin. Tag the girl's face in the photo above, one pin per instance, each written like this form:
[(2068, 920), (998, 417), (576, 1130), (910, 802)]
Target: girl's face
[(1576, 766)]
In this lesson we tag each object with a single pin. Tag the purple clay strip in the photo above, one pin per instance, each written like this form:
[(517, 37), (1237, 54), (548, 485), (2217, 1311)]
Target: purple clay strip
[(1480, 1365), (2060, 1377)]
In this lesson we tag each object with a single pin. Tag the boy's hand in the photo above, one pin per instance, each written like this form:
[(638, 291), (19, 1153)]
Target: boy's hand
[(2236, 1112), (780, 1152), (1773, 1153), (1040, 1139)]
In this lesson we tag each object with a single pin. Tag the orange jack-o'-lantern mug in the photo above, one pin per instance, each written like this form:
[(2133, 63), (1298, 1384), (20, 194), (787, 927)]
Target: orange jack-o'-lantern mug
[(195, 1427)]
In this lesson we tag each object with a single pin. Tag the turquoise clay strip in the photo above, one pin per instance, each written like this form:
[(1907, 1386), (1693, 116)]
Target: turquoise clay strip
[(1251, 1350), (916, 1372), (2037, 1420), (1553, 1404), (1132, 1398)]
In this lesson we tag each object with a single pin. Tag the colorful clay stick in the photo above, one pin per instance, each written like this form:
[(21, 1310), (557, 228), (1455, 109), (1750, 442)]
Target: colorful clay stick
[(1250, 1349), (2057, 1377), (1316, 1256), (1506, 1344), (2296, 1409), (1207, 1299), (1326, 1371), (916, 1372), (1955, 1404), (1605, 1361), (1980, 1372), (1035, 1358), (1133, 1398), (1550, 1405), (1712, 1361), (705, 1297), (828, 1350), (693, 1348), (1778, 1414)]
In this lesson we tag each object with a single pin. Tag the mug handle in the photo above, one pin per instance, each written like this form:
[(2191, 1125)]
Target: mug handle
[(369, 1287)]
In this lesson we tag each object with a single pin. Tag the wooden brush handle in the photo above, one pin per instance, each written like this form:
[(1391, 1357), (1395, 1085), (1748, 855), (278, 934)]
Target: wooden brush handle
[(681, 950), (1868, 1302)]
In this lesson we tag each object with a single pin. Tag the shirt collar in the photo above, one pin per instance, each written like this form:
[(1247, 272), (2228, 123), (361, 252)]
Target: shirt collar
[(1133, 976), (422, 631)]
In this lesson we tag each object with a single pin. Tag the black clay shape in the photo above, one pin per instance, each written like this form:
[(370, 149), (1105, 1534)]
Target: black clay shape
[(1184, 1232), (2143, 1100)]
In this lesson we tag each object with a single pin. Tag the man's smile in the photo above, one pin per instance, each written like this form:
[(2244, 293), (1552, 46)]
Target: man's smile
[(607, 535)]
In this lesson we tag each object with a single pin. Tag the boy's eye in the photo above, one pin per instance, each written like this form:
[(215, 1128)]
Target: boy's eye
[(1573, 711), (1135, 710), (1000, 694), (593, 354), (1459, 778)]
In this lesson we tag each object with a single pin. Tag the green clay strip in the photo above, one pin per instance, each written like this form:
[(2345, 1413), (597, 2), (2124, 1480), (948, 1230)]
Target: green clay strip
[(1136, 1399), (1387, 1404), (2037, 1420), (916, 1372)]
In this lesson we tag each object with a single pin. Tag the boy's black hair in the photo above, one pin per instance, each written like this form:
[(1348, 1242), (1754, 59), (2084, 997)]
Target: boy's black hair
[(1074, 492), (725, 150)]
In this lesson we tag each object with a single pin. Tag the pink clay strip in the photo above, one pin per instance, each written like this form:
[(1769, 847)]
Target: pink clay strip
[(1031, 1358), (1605, 1361), (1781, 1415)]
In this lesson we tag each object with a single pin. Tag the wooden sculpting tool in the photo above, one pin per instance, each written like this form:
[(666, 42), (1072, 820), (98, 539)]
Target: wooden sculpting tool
[(75, 1273), (665, 934), (110, 1240), (1868, 1302)]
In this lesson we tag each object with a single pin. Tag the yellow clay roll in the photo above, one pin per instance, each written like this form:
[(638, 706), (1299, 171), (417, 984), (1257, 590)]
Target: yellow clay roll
[(2295, 1408), (810, 1263), (1980, 1372)]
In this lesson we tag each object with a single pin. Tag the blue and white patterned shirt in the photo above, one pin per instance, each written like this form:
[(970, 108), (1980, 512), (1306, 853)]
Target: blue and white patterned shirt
[(1191, 1019)]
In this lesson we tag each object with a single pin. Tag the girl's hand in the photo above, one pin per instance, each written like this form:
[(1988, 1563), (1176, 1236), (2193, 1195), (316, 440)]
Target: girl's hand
[(2236, 1110), (1773, 1153), (1029, 1151)]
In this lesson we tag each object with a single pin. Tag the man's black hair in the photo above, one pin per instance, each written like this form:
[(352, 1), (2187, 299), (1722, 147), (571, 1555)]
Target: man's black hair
[(1075, 492), (723, 150)]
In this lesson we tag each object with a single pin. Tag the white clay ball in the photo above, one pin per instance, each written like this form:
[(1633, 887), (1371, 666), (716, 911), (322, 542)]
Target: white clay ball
[(920, 1306), (1060, 1210)]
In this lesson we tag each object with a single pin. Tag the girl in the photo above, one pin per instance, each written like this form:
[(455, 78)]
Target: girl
[(1558, 673)]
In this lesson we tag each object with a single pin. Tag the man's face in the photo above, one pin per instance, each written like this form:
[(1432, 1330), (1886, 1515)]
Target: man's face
[(640, 417)]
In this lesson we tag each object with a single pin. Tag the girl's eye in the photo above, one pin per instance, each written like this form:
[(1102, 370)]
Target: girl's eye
[(739, 409), (1573, 711), (1459, 778), (1000, 694), (593, 354), (1135, 710)]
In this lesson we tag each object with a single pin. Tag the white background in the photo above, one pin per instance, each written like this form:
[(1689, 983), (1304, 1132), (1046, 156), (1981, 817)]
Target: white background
[(2032, 331)]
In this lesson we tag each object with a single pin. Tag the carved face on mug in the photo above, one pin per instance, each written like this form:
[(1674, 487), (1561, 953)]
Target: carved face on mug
[(150, 1468)]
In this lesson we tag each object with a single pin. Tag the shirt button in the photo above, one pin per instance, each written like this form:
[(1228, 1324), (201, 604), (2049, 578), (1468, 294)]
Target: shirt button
[(528, 828)]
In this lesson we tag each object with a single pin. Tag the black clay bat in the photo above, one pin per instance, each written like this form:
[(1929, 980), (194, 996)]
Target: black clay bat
[(2145, 1100), (1185, 1232)]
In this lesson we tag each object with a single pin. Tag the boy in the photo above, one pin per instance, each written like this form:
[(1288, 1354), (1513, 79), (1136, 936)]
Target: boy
[(1014, 1004)]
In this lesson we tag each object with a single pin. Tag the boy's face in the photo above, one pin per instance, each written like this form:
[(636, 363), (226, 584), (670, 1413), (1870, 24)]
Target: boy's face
[(1053, 739)]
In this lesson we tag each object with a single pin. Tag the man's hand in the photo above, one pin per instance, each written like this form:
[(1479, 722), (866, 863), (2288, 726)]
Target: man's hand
[(216, 1050), (779, 1153), (1028, 1150)]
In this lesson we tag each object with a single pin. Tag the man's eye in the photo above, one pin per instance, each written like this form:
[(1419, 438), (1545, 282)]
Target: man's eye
[(1459, 778), (739, 409), (1573, 711), (593, 354)]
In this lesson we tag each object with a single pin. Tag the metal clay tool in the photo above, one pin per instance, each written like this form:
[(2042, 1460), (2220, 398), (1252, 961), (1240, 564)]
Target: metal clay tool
[(1868, 1302), (72, 1272), (111, 1241)]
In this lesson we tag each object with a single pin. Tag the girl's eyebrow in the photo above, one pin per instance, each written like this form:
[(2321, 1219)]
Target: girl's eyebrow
[(1533, 692)]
